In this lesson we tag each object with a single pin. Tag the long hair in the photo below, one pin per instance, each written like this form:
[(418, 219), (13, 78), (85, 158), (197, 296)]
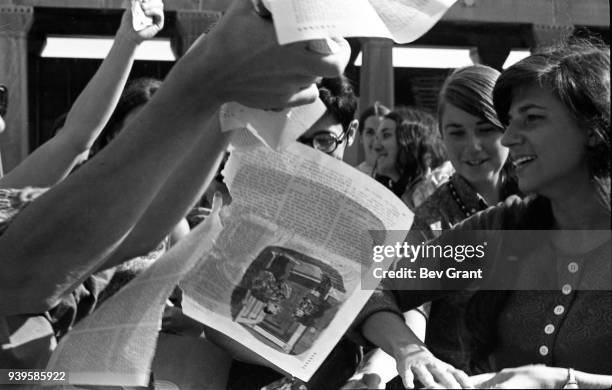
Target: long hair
[(471, 90), (415, 136), (578, 74)]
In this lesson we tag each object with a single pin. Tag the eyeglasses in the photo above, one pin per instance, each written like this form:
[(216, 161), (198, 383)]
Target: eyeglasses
[(324, 140), (3, 100)]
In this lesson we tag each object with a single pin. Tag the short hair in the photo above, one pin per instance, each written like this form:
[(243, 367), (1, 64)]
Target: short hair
[(137, 93), (578, 74), (376, 110), (339, 98), (471, 90)]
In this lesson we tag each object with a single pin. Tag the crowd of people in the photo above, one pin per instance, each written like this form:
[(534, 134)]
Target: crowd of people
[(524, 149)]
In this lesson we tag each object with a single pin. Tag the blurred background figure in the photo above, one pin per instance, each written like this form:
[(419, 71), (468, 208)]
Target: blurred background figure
[(411, 160), (369, 120)]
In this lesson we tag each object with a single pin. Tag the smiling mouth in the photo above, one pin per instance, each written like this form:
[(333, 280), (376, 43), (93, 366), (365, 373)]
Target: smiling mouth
[(475, 163), (521, 161)]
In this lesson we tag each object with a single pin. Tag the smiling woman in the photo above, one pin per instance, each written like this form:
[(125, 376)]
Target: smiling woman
[(552, 327)]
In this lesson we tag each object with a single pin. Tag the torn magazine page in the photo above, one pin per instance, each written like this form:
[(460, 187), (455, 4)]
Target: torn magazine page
[(283, 280), (115, 345), (273, 129), (401, 20)]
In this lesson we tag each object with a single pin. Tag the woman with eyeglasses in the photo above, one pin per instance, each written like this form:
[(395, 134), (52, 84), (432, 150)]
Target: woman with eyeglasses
[(551, 325), (408, 151)]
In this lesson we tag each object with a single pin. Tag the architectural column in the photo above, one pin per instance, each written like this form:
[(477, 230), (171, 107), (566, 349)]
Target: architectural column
[(560, 28), (376, 80), (15, 22), (491, 55), (376, 83), (189, 26), (548, 35)]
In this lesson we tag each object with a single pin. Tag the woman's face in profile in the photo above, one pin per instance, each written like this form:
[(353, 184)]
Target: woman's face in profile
[(547, 145), (386, 148), (473, 145)]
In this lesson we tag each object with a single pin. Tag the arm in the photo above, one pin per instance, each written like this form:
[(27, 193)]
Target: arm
[(412, 358), (543, 377), (183, 188), (53, 160), (88, 215), (378, 367)]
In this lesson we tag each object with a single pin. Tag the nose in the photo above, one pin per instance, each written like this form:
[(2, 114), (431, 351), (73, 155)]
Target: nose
[(377, 143), (1, 124), (511, 136), (475, 143)]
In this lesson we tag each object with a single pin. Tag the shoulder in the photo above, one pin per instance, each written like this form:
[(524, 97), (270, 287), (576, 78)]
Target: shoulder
[(438, 205), (512, 213)]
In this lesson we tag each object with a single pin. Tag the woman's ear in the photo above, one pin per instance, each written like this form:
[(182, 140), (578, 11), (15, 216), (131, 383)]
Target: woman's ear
[(352, 130)]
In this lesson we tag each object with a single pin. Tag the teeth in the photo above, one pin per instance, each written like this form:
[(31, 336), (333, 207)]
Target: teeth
[(522, 160)]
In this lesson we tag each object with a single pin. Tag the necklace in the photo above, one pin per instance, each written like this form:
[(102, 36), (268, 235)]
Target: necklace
[(462, 206)]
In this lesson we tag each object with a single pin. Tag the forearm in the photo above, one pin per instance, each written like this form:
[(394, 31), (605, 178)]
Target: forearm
[(593, 381), (182, 190), (388, 331), (94, 209), (53, 161), (96, 103)]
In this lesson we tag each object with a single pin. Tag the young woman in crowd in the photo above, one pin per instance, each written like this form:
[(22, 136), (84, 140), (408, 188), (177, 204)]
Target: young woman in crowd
[(552, 326), (369, 120), (407, 149), (471, 133)]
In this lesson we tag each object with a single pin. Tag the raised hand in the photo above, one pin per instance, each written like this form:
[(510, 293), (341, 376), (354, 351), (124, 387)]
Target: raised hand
[(242, 58), (150, 8)]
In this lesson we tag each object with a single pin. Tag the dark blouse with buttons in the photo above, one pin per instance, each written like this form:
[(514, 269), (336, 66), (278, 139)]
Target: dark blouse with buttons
[(567, 322), (569, 327)]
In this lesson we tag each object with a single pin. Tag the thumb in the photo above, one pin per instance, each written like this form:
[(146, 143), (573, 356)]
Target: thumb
[(217, 202)]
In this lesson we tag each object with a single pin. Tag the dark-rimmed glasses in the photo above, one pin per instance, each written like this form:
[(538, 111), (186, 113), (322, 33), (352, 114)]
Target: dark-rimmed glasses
[(3, 100), (324, 140)]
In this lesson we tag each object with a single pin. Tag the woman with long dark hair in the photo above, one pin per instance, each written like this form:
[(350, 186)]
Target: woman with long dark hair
[(552, 326), (408, 149)]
